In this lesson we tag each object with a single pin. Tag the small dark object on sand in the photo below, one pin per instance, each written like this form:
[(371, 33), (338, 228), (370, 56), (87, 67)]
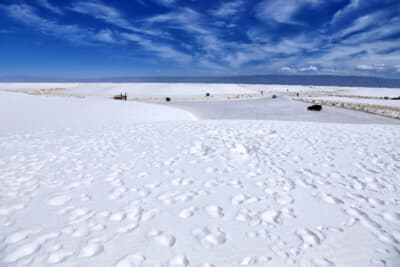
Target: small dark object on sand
[(274, 96), (297, 94), (315, 107), (121, 97), (207, 94), (167, 99), (262, 92)]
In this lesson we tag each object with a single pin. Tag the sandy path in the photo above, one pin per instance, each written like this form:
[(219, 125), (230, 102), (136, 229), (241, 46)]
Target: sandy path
[(282, 109)]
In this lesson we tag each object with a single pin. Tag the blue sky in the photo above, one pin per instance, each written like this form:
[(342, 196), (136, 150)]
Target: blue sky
[(94, 38)]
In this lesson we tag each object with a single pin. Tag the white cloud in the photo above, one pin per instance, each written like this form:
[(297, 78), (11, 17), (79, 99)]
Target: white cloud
[(378, 32), (72, 33), (161, 50), (287, 69), (106, 36), (192, 22), (51, 7), (346, 58), (211, 65), (369, 27), (359, 24), (355, 49), (365, 67), (310, 68), (78, 35), (347, 10), (375, 67), (228, 9), (166, 2), (282, 11), (304, 69), (108, 14)]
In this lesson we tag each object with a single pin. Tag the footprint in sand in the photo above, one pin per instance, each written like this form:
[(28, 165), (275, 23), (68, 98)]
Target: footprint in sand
[(18, 236), (243, 199), (22, 251), (310, 238), (214, 211), (128, 228), (80, 214), (249, 261), (29, 248), (11, 209), (376, 202), (117, 193), (283, 199), (393, 217), (60, 256), (179, 261), (55, 247), (59, 200), (331, 199), (162, 238), (131, 261), (323, 262), (212, 183), (252, 260), (208, 237), (245, 215), (271, 216), (90, 250), (117, 216), (187, 213), (262, 233), (181, 182), (150, 214)]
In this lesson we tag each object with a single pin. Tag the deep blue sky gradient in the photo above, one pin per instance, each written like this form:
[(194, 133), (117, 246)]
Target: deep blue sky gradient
[(94, 38)]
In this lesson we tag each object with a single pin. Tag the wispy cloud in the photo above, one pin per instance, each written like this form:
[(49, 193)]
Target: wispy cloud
[(228, 8), (50, 6), (271, 36), (166, 2), (161, 50), (183, 18), (374, 20), (287, 69), (108, 14), (82, 36), (348, 9), (106, 36), (282, 11), (309, 68), (301, 69), (73, 33), (211, 65), (376, 67), (210, 46), (366, 29)]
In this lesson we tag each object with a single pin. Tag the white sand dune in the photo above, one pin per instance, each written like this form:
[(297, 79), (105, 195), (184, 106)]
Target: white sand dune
[(25, 112), (134, 89), (186, 89), (96, 182)]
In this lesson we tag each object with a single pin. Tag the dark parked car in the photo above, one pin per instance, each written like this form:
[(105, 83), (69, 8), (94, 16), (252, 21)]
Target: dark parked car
[(315, 107)]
